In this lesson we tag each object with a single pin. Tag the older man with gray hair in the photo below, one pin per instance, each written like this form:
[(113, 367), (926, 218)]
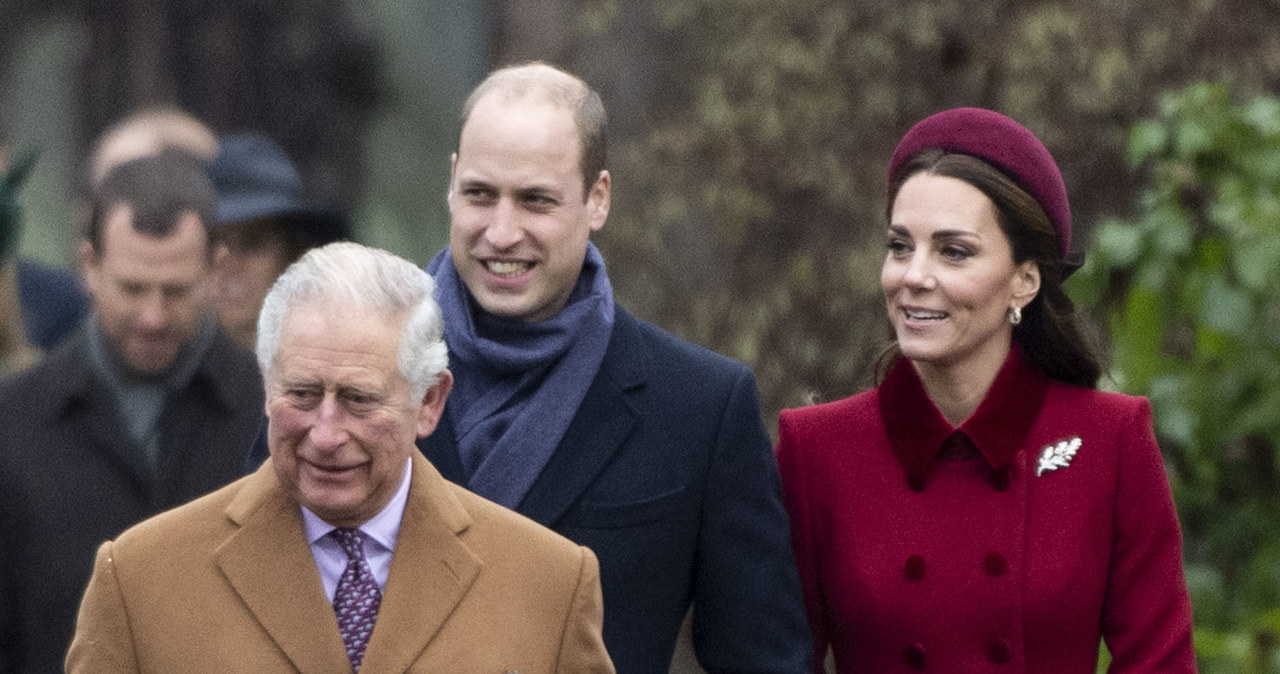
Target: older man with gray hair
[(347, 549)]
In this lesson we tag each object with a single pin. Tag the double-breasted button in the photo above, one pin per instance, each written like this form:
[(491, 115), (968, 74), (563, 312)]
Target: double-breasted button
[(1000, 479), (916, 483), (914, 656), (995, 564), (999, 652), (914, 567)]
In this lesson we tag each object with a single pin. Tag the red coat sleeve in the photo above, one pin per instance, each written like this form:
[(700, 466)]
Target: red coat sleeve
[(1147, 611), (795, 496)]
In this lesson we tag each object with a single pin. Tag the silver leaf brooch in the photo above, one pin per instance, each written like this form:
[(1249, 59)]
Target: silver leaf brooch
[(1057, 456)]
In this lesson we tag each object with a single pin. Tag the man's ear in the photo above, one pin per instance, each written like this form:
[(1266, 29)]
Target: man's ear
[(598, 201), (433, 404), (453, 173)]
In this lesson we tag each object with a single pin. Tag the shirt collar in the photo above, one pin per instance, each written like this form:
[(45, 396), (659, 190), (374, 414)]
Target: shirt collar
[(917, 430), (383, 528)]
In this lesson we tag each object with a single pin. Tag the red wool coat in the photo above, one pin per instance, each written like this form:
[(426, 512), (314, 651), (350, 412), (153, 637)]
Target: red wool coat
[(1011, 544)]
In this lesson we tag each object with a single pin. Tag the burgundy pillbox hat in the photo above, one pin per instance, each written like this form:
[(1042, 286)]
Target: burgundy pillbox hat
[(1001, 142)]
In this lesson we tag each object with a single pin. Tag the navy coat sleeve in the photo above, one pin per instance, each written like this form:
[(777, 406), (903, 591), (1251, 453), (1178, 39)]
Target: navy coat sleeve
[(745, 549)]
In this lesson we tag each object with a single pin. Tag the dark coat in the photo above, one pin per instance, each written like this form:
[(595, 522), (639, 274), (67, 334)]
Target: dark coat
[(921, 547), (667, 474), (70, 478)]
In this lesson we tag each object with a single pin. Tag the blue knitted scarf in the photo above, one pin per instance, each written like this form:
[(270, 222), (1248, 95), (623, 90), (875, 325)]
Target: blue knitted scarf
[(518, 385)]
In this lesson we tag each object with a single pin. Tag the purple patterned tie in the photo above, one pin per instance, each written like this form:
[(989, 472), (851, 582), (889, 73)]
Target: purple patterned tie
[(357, 599)]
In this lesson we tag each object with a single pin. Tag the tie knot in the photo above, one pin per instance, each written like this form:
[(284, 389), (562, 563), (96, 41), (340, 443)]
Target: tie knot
[(352, 542)]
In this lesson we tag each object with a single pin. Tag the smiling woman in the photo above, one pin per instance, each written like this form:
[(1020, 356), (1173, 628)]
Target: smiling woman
[(950, 281), (985, 504)]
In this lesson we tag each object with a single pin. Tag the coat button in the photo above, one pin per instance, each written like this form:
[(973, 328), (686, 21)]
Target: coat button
[(995, 564), (998, 652), (914, 567), (916, 483), (1000, 479), (914, 655)]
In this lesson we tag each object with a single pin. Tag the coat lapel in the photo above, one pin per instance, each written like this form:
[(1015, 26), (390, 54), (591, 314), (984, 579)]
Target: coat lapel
[(186, 411), (602, 425), (269, 564), (431, 572), (75, 394)]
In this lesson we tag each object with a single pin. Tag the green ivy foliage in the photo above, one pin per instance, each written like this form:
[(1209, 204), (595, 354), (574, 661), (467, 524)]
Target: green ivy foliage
[(1189, 288)]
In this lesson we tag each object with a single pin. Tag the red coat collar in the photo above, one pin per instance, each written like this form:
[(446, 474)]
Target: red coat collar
[(917, 430)]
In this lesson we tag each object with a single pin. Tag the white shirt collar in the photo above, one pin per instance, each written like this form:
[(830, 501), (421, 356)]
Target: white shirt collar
[(383, 528)]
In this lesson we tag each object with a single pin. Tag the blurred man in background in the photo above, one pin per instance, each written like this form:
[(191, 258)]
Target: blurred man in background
[(53, 301), (147, 405), (264, 224), (147, 132)]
